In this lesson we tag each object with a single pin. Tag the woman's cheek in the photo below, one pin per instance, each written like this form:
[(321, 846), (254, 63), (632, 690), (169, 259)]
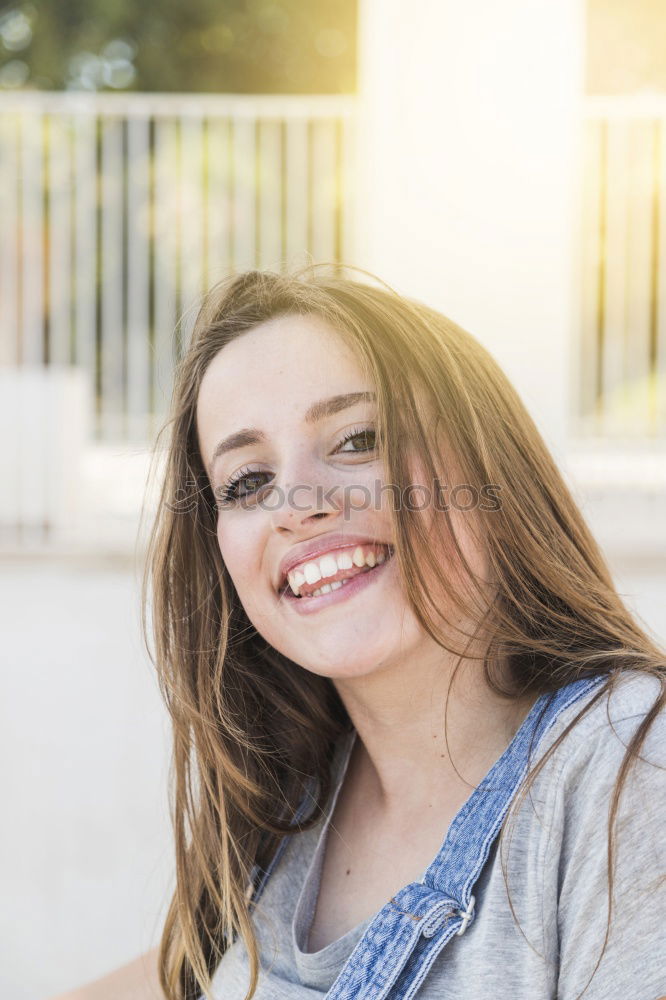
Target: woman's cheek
[(235, 549), (369, 491)]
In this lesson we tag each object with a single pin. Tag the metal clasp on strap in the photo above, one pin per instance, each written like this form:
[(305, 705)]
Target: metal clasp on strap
[(466, 916)]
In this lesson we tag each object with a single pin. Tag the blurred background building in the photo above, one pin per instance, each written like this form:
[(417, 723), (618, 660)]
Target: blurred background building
[(503, 161)]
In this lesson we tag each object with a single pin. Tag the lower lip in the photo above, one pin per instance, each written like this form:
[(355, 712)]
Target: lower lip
[(308, 605)]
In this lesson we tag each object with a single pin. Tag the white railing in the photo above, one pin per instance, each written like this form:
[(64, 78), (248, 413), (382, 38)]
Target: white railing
[(117, 211), (622, 347)]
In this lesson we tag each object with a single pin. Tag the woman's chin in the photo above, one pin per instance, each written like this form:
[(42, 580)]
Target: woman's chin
[(349, 660)]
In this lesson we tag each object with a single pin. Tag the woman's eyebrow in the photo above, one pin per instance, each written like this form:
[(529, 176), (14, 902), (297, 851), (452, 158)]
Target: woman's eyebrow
[(322, 408)]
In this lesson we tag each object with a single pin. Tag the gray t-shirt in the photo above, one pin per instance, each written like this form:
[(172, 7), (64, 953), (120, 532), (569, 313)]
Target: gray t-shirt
[(557, 879)]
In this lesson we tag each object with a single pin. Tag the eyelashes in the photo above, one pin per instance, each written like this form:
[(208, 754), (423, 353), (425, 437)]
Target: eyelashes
[(229, 492)]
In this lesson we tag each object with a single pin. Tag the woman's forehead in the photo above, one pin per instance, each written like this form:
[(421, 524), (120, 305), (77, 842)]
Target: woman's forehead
[(274, 375), (287, 354)]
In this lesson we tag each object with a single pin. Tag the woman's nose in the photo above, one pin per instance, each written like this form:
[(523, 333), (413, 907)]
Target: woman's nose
[(294, 502)]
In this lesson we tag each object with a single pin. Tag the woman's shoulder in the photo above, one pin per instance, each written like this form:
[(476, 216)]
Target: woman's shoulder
[(613, 715), (585, 765), (600, 794), (590, 778)]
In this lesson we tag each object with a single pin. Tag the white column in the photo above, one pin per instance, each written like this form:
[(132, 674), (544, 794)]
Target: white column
[(468, 175)]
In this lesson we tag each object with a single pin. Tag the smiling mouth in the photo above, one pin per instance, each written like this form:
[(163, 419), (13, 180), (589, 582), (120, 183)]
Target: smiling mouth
[(335, 582)]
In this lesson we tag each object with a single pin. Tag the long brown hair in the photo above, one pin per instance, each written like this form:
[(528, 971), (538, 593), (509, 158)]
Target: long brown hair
[(252, 731)]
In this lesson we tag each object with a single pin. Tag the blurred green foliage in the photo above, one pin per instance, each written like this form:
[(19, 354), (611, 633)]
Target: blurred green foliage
[(229, 46)]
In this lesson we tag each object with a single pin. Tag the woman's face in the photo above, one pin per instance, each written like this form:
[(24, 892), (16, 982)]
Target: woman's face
[(274, 410)]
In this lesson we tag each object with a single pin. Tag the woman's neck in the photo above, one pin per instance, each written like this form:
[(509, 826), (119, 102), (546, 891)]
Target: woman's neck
[(412, 745)]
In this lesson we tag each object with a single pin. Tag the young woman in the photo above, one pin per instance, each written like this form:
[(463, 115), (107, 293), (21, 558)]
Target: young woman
[(419, 741)]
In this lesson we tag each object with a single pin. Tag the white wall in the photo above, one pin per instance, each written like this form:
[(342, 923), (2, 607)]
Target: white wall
[(85, 842), (469, 178), (467, 173)]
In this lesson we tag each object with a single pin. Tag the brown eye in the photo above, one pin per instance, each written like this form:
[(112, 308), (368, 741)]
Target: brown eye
[(365, 437)]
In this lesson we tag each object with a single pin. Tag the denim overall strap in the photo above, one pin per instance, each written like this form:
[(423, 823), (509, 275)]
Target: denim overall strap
[(403, 940)]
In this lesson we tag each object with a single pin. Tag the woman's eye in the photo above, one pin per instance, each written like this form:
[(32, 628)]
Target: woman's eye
[(366, 437), (235, 490)]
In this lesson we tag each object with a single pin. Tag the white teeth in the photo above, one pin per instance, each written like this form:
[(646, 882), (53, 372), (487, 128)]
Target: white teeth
[(296, 581), (328, 566), (327, 588), (311, 571), (358, 557)]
